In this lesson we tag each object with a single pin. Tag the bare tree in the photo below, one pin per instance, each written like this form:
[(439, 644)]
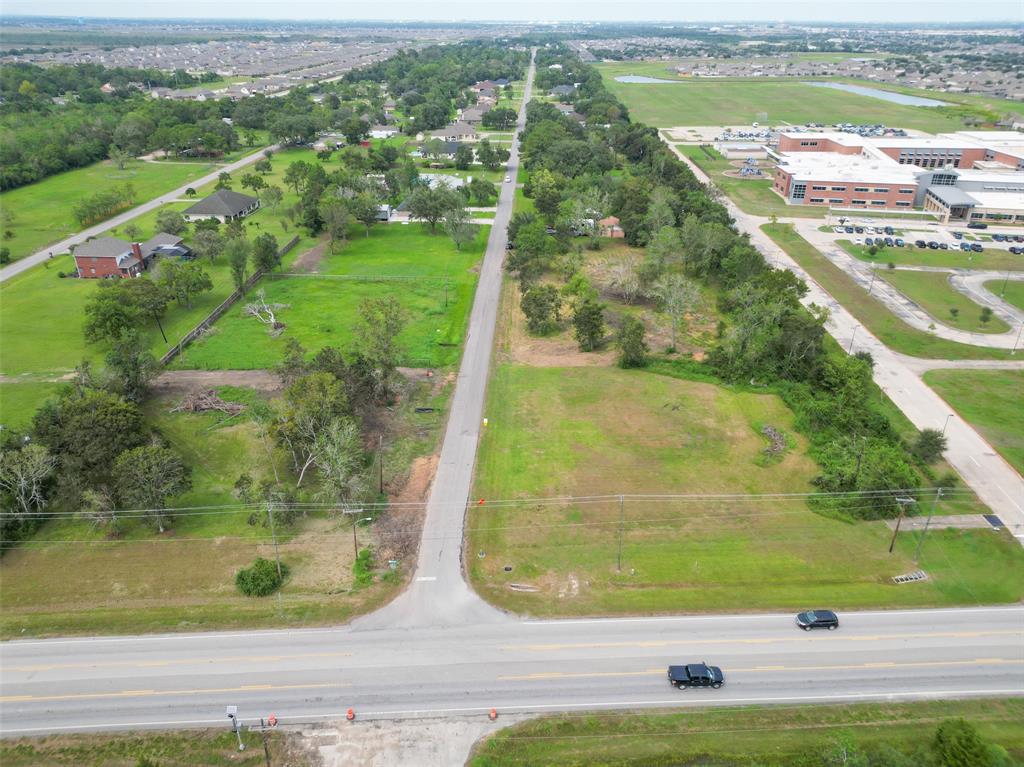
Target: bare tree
[(264, 312), (624, 278), (23, 474), (677, 295)]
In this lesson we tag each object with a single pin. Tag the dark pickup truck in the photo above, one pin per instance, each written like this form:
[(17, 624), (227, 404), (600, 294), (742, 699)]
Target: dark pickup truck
[(696, 675)]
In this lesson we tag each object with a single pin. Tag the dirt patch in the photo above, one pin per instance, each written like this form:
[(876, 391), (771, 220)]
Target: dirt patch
[(556, 350), (326, 563), (417, 486), (310, 260), (397, 530), (182, 381)]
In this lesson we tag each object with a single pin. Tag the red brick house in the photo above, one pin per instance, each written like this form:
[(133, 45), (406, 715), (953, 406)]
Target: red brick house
[(111, 257)]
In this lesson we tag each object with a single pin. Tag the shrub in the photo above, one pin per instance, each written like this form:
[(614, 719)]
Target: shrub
[(632, 347), (362, 568), (929, 445), (260, 579)]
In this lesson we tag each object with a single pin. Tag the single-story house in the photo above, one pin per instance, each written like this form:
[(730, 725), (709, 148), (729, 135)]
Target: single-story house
[(456, 132), (383, 131), (562, 91), (609, 227), (111, 257), (475, 114), (447, 152), (223, 205), (435, 180)]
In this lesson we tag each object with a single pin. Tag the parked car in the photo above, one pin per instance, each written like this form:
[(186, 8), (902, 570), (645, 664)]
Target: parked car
[(1018, 238), (933, 245), (976, 247), (1015, 250), (859, 241), (899, 242), (999, 237), (507, 179), (817, 619), (958, 235), (921, 243), (943, 246), (869, 241), (849, 230), (977, 225), (889, 241), (838, 229), (879, 230), (859, 229), (965, 246), (889, 230), (695, 675)]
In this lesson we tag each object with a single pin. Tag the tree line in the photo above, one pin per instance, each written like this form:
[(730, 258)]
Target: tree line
[(767, 338)]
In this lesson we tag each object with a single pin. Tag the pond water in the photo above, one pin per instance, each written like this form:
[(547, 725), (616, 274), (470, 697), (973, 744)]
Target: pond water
[(642, 79), (895, 98)]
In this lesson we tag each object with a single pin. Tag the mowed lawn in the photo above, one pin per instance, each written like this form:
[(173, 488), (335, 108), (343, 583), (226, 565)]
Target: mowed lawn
[(406, 262), (751, 195), (20, 401), (42, 212), (990, 258), (933, 293), (738, 102), (990, 400), (183, 579), (779, 736), (1011, 291), (874, 315), (573, 433)]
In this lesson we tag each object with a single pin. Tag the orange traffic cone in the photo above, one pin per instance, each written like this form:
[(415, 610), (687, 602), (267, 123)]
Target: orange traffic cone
[(350, 715), (493, 714)]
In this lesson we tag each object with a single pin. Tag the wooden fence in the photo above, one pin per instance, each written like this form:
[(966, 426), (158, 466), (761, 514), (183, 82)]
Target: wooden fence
[(217, 313)]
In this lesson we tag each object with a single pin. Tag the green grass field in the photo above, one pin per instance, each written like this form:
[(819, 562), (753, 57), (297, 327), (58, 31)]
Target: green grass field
[(933, 293), (888, 328), (406, 261), (991, 258), (574, 432), (19, 402), (141, 581), (42, 212), (753, 196), (198, 748), (737, 102), (1011, 291), (781, 736), (992, 401)]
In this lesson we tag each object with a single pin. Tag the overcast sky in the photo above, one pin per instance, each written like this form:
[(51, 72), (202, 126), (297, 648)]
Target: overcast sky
[(871, 11)]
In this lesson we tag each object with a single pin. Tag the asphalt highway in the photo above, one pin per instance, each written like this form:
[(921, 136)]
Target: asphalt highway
[(306, 676)]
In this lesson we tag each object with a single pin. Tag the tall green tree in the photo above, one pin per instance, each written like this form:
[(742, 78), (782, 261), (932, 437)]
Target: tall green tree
[(381, 320), (148, 477), (130, 366), (631, 343), (184, 281), (337, 220), (237, 251), (108, 313), (588, 324), (265, 253)]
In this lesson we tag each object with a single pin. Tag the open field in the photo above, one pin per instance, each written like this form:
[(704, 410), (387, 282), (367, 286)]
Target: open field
[(198, 748), (42, 212), (990, 258), (992, 401), (183, 579), (753, 196), (1011, 291), (933, 293), (583, 432), (406, 261), (737, 101), (889, 329), (786, 736), (19, 402)]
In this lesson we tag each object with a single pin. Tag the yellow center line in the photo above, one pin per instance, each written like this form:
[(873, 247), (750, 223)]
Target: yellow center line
[(147, 693), (762, 669), (182, 662), (800, 637)]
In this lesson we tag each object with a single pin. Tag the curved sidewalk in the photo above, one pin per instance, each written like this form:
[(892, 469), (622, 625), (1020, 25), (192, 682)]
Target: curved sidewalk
[(901, 306)]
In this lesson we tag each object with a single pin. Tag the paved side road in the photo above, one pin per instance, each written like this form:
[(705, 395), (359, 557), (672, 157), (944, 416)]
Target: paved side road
[(314, 675), (39, 256), (438, 594), (997, 483), (899, 304)]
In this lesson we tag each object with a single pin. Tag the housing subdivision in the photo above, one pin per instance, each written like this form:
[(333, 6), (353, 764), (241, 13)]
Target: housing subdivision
[(968, 176)]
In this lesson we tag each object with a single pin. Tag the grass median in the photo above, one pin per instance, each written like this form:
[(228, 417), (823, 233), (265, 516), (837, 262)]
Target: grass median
[(933, 293), (869, 311)]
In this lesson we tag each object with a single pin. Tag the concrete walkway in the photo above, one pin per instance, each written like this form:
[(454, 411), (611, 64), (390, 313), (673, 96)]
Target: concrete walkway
[(997, 484), (921, 366), (26, 263), (900, 305)]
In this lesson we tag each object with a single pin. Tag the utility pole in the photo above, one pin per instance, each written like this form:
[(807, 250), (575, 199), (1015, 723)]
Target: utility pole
[(852, 337), (380, 459), (903, 505), (273, 533), (872, 284), (927, 523), (622, 519)]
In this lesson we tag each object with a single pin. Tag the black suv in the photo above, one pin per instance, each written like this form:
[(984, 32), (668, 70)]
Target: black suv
[(695, 675), (817, 619)]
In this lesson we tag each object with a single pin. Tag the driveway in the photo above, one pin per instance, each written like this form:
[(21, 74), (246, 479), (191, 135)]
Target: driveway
[(39, 256)]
